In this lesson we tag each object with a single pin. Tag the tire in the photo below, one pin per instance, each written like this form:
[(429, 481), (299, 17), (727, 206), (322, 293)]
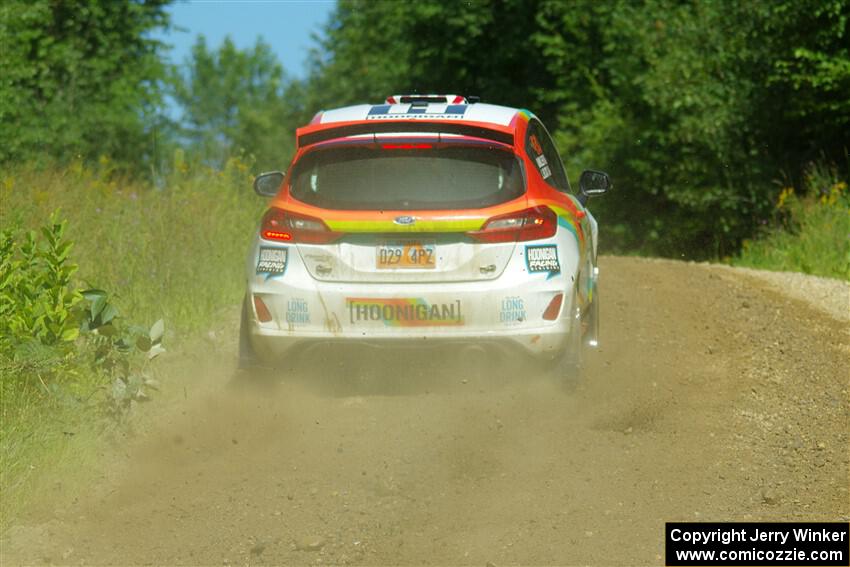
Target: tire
[(573, 356), (248, 359), (251, 371), (591, 338), (566, 369)]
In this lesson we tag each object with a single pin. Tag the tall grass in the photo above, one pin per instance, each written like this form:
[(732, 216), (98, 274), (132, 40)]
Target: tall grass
[(811, 233), (174, 251)]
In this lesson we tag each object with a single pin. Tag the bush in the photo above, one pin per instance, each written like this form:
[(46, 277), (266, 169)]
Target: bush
[(810, 233), (50, 331), (35, 296), (174, 249)]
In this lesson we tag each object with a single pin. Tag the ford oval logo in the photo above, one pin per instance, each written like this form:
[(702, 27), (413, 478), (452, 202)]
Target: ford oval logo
[(405, 220)]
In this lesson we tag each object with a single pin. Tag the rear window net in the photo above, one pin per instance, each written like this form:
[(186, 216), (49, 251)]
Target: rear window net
[(405, 177)]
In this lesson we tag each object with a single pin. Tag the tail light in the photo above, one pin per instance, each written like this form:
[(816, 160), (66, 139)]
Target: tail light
[(286, 226), (554, 308), (263, 313), (535, 223)]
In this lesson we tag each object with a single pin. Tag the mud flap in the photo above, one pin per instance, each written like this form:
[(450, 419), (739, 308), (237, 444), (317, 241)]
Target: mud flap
[(591, 327), (248, 359), (571, 365), (565, 369), (251, 370)]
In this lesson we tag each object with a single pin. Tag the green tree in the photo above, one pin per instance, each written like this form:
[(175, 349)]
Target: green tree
[(81, 78), (807, 81), (696, 107), (668, 114), (373, 49), (236, 100)]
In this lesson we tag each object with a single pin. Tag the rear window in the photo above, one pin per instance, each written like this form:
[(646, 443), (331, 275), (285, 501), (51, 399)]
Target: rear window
[(371, 177)]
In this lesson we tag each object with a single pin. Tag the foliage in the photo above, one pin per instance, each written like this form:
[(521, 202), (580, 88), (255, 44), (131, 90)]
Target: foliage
[(51, 390), (36, 300), (372, 49), (235, 101), (49, 328), (174, 252), (80, 78), (112, 346), (692, 106), (809, 234)]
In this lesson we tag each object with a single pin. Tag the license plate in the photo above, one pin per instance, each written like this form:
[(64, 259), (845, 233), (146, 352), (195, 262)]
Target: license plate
[(406, 255)]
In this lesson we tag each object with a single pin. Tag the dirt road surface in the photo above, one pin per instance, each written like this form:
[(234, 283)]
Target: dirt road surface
[(714, 397)]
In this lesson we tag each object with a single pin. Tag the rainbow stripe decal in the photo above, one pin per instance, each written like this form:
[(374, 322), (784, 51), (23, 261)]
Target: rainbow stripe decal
[(404, 312), (451, 224), (568, 221), (457, 224), (371, 222)]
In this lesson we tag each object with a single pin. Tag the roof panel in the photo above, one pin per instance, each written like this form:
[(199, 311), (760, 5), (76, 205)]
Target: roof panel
[(478, 112)]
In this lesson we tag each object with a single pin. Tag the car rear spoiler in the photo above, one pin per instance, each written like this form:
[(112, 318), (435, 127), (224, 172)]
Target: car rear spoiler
[(477, 130)]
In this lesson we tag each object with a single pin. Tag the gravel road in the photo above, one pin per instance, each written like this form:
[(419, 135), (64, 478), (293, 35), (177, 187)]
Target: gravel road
[(718, 394)]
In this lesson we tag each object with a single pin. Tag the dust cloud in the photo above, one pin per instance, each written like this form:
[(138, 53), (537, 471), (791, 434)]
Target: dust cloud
[(688, 411)]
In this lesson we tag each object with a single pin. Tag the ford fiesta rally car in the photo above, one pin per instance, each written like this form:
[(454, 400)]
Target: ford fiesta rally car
[(424, 220)]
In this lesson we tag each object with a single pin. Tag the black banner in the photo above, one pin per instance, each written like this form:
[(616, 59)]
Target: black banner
[(757, 543)]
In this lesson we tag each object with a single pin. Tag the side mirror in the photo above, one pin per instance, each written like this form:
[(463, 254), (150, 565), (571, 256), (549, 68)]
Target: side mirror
[(592, 183), (268, 184)]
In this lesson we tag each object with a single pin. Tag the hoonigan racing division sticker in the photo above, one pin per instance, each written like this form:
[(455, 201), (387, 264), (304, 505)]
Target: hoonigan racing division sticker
[(272, 261), (404, 312), (543, 259)]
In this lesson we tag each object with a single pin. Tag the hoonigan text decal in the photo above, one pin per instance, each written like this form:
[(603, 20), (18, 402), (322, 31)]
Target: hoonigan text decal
[(404, 312)]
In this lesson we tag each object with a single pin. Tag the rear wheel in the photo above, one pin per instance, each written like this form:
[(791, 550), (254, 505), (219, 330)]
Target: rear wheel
[(591, 337), (572, 363), (251, 371), (566, 368), (247, 356)]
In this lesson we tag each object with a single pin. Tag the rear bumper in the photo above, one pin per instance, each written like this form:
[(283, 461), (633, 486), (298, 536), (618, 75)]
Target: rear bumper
[(505, 313), (502, 316), (543, 344)]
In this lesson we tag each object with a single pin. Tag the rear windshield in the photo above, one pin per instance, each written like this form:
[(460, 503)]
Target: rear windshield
[(454, 177)]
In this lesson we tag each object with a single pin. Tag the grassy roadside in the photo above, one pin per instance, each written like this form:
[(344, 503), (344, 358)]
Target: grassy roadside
[(810, 233), (174, 252)]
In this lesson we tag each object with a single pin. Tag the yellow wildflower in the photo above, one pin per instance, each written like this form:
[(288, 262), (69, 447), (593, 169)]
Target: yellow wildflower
[(784, 195)]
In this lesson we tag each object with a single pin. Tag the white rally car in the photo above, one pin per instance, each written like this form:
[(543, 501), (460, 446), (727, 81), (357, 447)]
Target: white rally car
[(424, 220)]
